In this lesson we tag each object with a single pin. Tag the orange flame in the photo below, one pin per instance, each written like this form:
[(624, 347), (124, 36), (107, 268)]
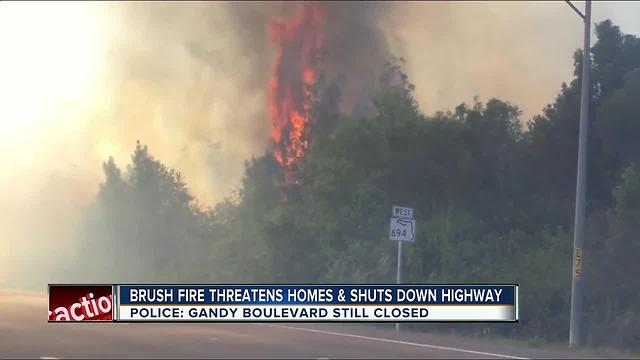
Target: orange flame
[(298, 41)]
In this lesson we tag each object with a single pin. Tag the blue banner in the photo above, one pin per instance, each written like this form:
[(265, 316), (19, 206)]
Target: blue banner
[(316, 294)]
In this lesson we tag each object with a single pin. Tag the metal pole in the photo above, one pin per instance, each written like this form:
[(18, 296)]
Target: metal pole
[(581, 187), (398, 270)]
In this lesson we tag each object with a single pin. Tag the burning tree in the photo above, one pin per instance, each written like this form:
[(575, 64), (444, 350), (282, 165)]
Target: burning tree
[(298, 42)]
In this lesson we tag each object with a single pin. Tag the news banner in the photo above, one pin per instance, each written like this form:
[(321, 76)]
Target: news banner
[(283, 303)]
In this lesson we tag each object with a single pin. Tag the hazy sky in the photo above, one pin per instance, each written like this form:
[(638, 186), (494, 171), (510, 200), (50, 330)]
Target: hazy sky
[(517, 50), (82, 81)]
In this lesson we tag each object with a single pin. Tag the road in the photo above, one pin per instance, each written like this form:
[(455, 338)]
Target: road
[(24, 333)]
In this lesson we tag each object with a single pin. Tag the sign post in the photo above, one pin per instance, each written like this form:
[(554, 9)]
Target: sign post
[(402, 228), (399, 263)]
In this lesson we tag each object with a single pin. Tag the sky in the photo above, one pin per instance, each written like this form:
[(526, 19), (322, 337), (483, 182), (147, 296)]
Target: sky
[(519, 51), (83, 81)]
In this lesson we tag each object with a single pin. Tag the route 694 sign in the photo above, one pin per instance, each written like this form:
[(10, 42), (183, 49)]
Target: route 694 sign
[(402, 227)]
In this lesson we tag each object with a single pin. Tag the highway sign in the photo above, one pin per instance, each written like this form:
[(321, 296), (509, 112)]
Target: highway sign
[(402, 229), (402, 212)]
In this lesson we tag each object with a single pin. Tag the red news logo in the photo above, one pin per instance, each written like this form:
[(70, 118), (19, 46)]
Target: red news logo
[(80, 303)]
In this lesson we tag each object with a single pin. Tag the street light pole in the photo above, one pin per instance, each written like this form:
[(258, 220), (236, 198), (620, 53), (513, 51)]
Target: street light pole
[(581, 186)]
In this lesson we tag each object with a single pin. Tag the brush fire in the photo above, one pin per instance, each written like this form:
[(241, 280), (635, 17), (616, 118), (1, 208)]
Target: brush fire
[(298, 43)]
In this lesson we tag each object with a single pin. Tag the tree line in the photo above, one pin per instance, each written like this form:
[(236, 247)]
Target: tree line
[(494, 200)]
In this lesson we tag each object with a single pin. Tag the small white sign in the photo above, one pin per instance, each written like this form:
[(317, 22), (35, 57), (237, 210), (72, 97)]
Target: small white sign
[(402, 229), (402, 212)]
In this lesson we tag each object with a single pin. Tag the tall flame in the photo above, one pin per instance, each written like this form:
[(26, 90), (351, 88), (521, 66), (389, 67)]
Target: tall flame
[(298, 42)]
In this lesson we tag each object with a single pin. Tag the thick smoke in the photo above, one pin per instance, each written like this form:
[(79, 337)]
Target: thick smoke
[(357, 50), (354, 46), (191, 81), (185, 83)]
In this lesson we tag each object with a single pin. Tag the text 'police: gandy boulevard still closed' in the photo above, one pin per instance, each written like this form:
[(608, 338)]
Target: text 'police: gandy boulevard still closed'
[(276, 313)]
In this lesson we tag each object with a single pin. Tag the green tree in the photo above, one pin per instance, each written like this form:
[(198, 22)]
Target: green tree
[(146, 225)]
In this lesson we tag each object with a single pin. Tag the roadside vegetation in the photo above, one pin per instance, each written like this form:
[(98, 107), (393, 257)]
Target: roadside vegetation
[(493, 197)]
